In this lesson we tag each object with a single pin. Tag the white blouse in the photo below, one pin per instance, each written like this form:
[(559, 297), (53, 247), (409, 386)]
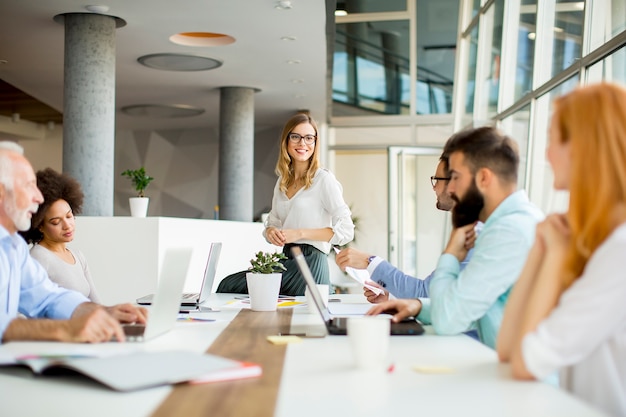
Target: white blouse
[(74, 277), (316, 207), (585, 335)]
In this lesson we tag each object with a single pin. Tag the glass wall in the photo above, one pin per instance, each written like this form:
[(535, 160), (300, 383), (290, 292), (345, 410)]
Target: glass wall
[(400, 62), (555, 50)]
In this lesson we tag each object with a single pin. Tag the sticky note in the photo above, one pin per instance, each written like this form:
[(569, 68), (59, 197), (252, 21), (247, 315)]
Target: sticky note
[(433, 369), (283, 340)]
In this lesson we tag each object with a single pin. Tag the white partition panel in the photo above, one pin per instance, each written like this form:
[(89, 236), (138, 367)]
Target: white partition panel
[(125, 253)]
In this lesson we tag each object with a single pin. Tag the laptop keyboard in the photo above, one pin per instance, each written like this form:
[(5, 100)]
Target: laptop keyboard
[(190, 296), (133, 332)]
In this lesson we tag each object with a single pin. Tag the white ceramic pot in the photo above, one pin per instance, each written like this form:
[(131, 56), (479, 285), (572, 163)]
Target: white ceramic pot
[(138, 206), (263, 290)]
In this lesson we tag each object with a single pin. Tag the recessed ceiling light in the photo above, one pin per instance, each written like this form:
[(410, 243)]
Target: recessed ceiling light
[(179, 62), (288, 38), (283, 5), (341, 13), (297, 81), (202, 39), (161, 111), (97, 8), (294, 61)]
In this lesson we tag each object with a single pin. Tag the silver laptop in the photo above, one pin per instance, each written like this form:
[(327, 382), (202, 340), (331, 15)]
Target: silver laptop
[(192, 300), (164, 311), (339, 325)]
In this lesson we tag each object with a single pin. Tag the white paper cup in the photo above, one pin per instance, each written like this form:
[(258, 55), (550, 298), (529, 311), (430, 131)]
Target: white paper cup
[(324, 291), (369, 340)]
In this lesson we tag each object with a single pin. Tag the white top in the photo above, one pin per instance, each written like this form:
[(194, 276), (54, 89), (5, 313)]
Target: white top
[(75, 277), (585, 335), (316, 207)]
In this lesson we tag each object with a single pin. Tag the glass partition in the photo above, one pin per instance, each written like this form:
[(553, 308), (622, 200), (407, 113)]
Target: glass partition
[(568, 32), (471, 70), (371, 67), (525, 48), (608, 18), (611, 68), (541, 188)]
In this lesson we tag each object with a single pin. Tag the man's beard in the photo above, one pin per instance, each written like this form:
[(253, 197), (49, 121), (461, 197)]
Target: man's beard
[(20, 219), (467, 210)]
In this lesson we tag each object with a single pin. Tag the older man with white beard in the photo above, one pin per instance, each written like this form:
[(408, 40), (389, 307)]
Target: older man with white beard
[(51, 312)]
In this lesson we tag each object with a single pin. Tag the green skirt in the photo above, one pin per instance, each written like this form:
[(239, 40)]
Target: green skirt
[(292, 281)]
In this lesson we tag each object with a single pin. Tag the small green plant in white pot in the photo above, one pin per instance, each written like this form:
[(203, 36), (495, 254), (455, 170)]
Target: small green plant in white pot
[(140, 180), (264, 280)]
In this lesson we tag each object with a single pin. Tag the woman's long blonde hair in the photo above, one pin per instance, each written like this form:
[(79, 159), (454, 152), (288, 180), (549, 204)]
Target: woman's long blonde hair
[(284, 166), (593, 120)]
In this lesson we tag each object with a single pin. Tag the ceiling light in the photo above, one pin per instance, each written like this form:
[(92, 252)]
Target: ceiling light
[(283, 5), (558, 29), (179, 62), (97, 8), (201, 39), (532, 36), (297, 81), (294, 61), (288, 38), (161, 111), (341, 13)]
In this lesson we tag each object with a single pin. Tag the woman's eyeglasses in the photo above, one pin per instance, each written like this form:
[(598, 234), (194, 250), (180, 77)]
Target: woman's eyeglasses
[(296, 138), (434, 179)]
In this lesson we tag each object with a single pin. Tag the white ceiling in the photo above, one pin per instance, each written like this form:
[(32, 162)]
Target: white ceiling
[(31, 43)]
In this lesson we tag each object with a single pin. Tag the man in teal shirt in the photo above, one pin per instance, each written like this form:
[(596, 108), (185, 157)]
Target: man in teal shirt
[(483, 183)]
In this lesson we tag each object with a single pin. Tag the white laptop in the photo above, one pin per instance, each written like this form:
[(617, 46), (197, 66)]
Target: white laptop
[(192, 300), (164, 311)]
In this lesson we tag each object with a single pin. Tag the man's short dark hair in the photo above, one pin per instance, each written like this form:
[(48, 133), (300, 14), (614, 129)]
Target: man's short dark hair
[(486, 147)]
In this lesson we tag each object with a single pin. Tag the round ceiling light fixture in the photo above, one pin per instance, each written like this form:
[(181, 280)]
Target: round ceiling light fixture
[(201, 39), (179, 62), (162, 111)]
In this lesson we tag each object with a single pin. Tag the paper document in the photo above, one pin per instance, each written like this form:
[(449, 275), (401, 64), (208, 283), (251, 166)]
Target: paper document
[(363, 277)]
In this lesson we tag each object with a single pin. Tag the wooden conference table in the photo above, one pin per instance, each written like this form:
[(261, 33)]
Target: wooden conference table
[(315, 377)]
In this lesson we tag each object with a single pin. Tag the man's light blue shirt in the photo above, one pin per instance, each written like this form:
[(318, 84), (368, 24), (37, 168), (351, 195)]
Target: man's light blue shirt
[(26, 288), (478, 294)]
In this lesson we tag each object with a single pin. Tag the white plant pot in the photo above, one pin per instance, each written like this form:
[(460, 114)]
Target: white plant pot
[(138, 206), (263, 290)]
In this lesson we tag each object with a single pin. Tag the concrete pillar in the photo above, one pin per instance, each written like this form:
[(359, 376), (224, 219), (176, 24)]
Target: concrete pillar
[(89, 107), (236, 163)]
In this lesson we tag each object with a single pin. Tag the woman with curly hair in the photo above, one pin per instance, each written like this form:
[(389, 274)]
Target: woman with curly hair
[(308, 209), (52, 227)]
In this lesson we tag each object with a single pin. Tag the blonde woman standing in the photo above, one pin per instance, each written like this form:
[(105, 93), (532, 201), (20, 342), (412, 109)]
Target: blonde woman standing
[(308, 209)]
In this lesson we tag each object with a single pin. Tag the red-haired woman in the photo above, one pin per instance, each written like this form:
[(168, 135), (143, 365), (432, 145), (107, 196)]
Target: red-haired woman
[(566, 312)]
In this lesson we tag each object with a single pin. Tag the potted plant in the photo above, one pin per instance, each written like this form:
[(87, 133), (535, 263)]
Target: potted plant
[(264, 280), (140, 180)]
